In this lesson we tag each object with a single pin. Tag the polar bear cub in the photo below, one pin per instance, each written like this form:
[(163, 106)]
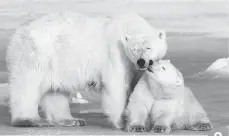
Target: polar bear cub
[(161, 97)]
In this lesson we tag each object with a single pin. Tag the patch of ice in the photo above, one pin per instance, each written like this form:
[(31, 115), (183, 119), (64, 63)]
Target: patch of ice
[(79, 99), (78, 95)]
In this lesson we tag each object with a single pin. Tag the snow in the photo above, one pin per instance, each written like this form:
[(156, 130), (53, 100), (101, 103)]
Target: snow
[(79, 99)]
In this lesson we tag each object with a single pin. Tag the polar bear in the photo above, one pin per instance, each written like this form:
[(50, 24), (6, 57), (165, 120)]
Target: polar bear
[(161, 97), (68, 52)]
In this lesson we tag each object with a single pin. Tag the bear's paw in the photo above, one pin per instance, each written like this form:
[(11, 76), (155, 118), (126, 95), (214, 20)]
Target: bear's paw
[(161, 129), (136, 128), (202, 126)]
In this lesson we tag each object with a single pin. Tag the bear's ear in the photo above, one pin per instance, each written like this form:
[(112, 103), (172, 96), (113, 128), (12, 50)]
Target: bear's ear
[(162, 34)]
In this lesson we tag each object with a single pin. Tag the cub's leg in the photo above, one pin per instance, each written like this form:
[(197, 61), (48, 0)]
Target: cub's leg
[(139, 106), (163, 123), (198, 118), (164, 113), (25, 95), (202, 126), (57, 111)]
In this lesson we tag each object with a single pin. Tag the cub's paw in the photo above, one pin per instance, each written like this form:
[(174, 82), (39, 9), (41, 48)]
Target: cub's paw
[(72, 122), (202, 126), (161, 129), (31, 123), (136, 128)]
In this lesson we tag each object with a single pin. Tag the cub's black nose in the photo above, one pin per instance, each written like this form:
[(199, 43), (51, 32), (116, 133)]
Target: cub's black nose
[(141, 63)]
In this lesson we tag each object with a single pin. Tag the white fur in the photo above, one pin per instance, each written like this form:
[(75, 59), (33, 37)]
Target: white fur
[(56, 107), (65, 52), (161, 94)]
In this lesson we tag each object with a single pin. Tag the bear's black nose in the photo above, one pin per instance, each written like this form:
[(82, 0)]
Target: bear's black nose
[(141, 62)]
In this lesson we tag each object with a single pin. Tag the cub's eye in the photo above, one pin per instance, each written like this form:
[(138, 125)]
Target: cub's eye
[(148, 48), (163, 67)]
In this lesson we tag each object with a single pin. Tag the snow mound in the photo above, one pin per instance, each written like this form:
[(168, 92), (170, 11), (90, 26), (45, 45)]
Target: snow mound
[(217, 70), (220, 67)]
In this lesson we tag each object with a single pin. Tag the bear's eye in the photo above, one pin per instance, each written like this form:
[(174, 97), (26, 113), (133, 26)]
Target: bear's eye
[(148, 48), (127, 39), (163, 67)]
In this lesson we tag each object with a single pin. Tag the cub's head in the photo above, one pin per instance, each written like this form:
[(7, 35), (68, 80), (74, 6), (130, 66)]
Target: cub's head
[(143, 50), (165, 74)]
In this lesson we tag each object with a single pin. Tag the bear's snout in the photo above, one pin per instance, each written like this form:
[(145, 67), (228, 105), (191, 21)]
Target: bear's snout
[(141, 63)]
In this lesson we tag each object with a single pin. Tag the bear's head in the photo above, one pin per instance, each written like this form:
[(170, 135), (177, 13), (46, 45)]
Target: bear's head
[(165, 74), (143, 50)]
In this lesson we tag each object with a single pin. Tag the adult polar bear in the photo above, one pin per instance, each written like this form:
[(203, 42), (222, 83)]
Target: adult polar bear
[(67, 52)]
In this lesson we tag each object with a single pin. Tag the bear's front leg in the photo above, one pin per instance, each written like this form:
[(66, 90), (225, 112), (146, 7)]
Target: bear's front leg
[(114, 98), (113, 103)]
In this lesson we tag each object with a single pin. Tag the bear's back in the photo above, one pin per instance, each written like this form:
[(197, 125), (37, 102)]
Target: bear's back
[(57, 42), (60, 34)]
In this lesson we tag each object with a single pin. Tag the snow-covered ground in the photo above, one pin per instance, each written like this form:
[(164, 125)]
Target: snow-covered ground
[(197, 32)]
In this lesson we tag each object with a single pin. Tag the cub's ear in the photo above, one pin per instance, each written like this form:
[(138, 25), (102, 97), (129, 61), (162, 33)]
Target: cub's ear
[(179, 82), (180, 79), (162, 34), (125, 39)]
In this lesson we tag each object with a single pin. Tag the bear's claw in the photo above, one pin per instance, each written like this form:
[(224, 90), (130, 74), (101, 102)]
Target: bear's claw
[(136, 128), (80, 122), (161, 129), (202, 126)]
